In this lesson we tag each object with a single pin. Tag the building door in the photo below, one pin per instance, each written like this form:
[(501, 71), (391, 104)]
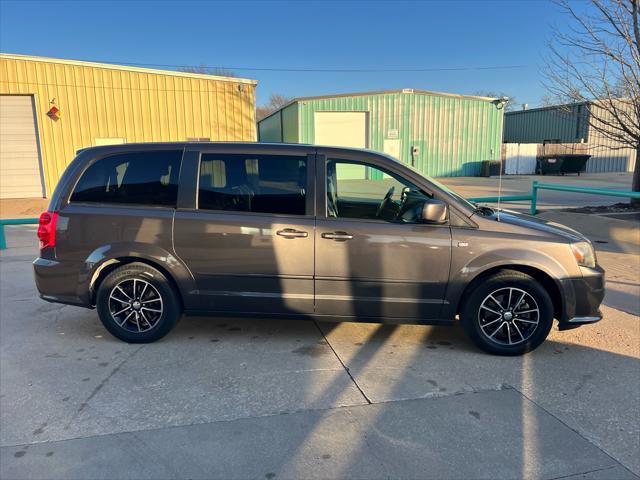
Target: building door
[(20, 163)]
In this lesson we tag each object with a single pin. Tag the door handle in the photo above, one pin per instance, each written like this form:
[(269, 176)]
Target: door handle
[(338, 236), (292, 233)]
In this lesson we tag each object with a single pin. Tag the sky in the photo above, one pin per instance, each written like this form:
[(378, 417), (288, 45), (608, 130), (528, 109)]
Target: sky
[(454, 40)]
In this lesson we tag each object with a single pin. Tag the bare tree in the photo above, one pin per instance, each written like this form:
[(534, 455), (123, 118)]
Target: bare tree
[(596, 61), (275, 102), (547, 101), (221, 72)]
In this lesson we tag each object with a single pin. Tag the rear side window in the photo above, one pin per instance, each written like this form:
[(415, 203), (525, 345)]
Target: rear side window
[(253, 183), (142, 178)]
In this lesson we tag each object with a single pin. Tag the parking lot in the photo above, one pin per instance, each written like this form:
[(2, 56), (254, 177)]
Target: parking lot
[(547, 199), (261, 398)]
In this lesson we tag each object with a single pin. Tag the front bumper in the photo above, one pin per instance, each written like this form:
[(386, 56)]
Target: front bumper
[(582, 298)]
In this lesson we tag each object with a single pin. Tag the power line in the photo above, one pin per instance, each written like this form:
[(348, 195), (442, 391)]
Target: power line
[(319, 70)]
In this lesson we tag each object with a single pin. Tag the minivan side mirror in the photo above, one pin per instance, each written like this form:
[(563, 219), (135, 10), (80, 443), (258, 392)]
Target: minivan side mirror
[(434, 212)]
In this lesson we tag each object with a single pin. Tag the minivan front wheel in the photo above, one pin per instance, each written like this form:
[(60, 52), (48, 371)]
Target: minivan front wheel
[(137, 304), (509, 313)]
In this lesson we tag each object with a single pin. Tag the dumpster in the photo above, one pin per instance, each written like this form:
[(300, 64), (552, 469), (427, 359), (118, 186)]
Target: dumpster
[(490, 168), (564, 163)]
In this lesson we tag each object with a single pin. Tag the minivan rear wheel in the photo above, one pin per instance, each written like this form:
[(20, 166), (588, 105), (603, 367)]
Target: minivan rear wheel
[(137, 304), (508, 313)]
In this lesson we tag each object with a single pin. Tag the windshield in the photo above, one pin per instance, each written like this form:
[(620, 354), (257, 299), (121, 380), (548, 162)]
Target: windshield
[(452, 193), (442, 187)]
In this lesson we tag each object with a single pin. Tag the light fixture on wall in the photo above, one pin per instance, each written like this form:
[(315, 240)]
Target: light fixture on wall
[(501, 102)]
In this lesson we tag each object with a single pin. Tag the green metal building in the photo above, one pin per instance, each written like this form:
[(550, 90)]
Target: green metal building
[(561, 124), (571, 125), (440, 134)]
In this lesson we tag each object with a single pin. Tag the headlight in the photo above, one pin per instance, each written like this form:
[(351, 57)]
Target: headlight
[(585, 256)]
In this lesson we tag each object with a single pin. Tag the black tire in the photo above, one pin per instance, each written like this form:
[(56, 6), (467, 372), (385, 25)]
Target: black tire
[(131, 279), (478, 319)]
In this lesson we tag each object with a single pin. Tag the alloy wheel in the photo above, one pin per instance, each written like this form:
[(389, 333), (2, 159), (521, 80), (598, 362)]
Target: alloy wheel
[(135, 305), (509, 316)]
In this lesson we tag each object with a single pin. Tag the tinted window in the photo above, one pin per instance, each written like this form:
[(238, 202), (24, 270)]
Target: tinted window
[(256, 183), (147, 178), (359, 190)]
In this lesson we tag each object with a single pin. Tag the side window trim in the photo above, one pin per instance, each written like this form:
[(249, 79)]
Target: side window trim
[(310, 200), (320, 183), (68, 200), (322, 180), (189, 179)]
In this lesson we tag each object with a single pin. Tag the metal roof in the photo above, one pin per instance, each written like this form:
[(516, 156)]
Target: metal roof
[(548, 107), (403, 90), (381, 92), (111, 66)]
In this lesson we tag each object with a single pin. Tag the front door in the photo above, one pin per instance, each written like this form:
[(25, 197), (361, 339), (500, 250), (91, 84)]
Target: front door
[(373, 256), (249, 240)]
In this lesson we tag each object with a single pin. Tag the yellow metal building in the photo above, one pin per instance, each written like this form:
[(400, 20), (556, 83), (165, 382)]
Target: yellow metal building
[(50, 108)]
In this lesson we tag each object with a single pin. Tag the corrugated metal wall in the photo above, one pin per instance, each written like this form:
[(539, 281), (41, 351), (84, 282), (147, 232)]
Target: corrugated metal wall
[(608, 155), (290, 130), (454, 134), (138, 105), (270, 128), (569, 125), (607, 158), (566, 124)]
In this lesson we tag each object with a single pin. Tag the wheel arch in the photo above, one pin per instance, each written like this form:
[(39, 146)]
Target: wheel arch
[(548, 283), (113, 263)]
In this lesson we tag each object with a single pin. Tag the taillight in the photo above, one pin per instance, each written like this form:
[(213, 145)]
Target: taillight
[(47, 229)]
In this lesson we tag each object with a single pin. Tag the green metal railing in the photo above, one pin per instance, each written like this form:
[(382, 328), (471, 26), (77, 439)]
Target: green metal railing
[(535, 186), (13, 221), (506, 198), (533, 198)]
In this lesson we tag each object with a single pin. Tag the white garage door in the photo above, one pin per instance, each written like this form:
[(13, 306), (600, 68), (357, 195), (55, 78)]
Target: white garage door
[(20, 175), (341, 129)]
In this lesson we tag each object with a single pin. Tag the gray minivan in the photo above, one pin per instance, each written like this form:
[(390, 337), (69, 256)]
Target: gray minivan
[(146, 232)]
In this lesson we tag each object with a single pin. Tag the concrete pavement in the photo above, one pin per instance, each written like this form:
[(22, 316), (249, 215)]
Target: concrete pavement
[(258, 398), (547, 199), (493, 434)]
